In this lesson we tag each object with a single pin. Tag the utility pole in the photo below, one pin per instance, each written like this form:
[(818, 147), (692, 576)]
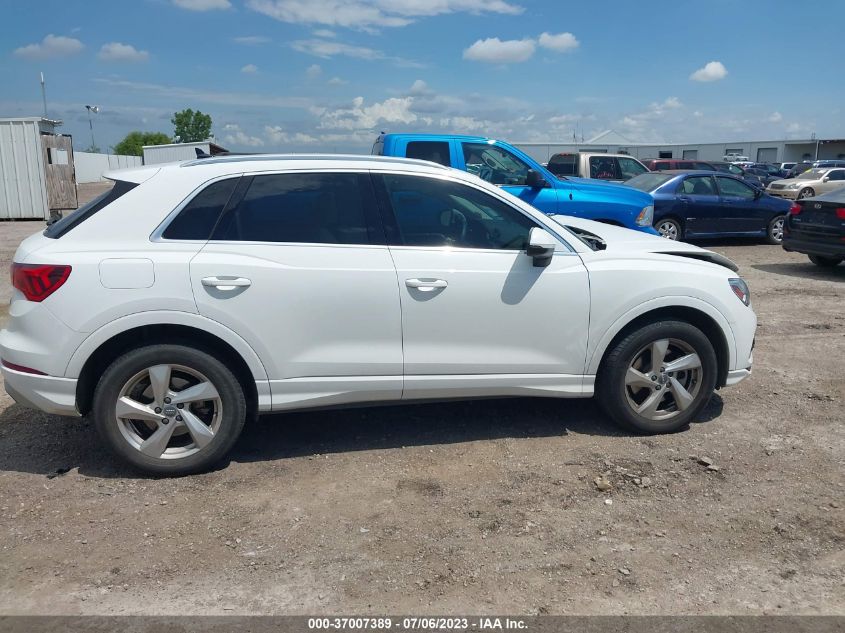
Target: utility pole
[(44, 95), (91, 109)]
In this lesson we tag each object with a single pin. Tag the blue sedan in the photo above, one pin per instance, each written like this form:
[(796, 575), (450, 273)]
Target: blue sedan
[(700, 204)]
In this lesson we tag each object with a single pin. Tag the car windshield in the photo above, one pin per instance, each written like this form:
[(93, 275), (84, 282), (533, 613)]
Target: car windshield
[(649, 182), (812, 174)]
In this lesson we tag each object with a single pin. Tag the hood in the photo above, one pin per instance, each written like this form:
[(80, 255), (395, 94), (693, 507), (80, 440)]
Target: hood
[(793, 181), (621, 241), (609, 190)]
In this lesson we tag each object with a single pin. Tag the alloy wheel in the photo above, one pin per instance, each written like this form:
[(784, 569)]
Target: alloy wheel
[(168, 411), (663, 379), (668, 229), (777, 230)]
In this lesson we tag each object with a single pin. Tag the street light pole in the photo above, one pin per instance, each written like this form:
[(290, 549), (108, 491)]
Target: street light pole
[(91, 109)]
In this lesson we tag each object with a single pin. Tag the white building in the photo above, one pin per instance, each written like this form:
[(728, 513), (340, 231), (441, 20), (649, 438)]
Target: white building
[(179, 151), (612, 142)]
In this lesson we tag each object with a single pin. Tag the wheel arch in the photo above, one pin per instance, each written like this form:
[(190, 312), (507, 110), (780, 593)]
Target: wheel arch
[(709, 321), (106, 344)]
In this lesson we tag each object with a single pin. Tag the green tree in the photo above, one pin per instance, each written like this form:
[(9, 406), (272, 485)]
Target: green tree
[(190, 126), (133, 143)]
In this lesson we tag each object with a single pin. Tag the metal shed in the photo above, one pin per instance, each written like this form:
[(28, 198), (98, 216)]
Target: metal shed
[(36, 169), (179, 151)]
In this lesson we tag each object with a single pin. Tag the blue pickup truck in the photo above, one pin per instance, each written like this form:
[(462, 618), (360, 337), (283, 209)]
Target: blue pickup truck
[(519, 174)]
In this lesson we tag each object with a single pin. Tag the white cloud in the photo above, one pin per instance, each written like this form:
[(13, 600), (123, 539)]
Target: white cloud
[(775, 117), (495, 51), (251, 40), (324, 33), (327, 49), (249, 69), (698, 113), (419, 87), (202, 5), (361, 117), (337, 81), (278, 135), (117, 52), (313, 71), (236, 136), (372, 14), (672, 102), (562, 42), (50, 46), (712, 71)]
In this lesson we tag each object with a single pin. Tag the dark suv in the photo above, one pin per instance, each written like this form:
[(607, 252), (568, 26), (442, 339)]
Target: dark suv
[(816, 227)]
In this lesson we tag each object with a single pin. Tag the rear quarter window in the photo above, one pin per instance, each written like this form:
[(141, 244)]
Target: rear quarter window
[(196, 220), (86, 211)]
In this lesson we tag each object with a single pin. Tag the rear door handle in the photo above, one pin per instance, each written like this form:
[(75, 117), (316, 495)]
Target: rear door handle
[(426, 285), (226, 283)]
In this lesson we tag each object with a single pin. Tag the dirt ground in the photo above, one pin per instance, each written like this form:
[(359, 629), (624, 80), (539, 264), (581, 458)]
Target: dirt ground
[(485, 507)]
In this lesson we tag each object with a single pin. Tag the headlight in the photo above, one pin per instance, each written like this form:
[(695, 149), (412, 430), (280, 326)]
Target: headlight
[(741, 290), (646, 216), (794, 185)]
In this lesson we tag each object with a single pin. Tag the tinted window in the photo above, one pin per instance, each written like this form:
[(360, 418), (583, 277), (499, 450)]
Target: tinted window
[(304, 208), (563, 164), (837, 175), (59, 228), (661, 166), (603, 168), (629, 168), (197, 219), (494, 164), (697, 186), (435, 151), (706, 166), (734, 188), (432, 212)]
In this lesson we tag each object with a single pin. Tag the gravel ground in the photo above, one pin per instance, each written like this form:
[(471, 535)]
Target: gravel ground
[(485, 507)]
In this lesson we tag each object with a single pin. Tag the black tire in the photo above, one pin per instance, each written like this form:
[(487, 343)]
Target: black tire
[(774, 232), (670, 226), (825, 262), (807, 192), (121, 372), (612, 391)]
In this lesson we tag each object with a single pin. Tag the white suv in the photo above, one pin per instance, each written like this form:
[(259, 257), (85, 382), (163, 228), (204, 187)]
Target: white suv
[(194, 296)]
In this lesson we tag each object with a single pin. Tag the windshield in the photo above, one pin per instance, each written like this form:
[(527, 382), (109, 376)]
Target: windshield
[(649, 182), (812, 174)]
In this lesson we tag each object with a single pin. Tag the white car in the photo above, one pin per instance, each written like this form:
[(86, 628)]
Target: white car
[(196, 295)]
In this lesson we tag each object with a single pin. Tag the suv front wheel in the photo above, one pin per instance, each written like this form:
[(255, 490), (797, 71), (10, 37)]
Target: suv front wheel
[(658, 378), (169, 409)]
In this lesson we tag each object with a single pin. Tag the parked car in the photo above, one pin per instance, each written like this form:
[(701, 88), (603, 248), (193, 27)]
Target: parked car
[(599, 166), (702, 204), (828, 163), (502, 164), (763, 176), (785, 168), (206, 292), (808, 184), (755, 180), (771, 170), (799, 169), (663, 164), (816, 227), (735, 158)]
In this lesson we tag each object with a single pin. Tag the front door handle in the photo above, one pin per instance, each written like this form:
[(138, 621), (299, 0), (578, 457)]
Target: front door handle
[(426, 285), (226, 283)]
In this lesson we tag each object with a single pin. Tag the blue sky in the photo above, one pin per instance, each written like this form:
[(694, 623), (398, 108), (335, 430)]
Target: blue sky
[(327, 75)]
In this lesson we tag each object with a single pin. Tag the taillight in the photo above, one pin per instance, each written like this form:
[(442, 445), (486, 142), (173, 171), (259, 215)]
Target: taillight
[(38, 281), (795, 209), (840, 213)]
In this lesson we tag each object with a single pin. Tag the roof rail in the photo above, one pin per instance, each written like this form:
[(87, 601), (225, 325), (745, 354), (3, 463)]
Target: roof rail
[(291, 157)]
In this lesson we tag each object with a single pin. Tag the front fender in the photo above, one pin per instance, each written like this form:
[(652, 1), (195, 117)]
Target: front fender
[(598, 351)]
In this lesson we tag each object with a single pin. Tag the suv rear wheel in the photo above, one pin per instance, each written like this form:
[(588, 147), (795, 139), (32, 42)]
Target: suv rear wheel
[(658, 378), (169, 409), (825, 262)]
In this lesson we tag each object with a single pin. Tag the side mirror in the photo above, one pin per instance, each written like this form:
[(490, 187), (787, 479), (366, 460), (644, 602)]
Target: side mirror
[(541, 246), (535, 180), (758, 193), (826, 178)]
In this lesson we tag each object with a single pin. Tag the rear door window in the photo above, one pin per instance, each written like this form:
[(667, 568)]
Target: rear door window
[(697, 186), (197, 219), (312, 208), (434, 151), (629, 168), (604, 168)]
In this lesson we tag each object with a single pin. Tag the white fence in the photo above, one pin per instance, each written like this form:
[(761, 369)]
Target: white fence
[(90, 167)]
